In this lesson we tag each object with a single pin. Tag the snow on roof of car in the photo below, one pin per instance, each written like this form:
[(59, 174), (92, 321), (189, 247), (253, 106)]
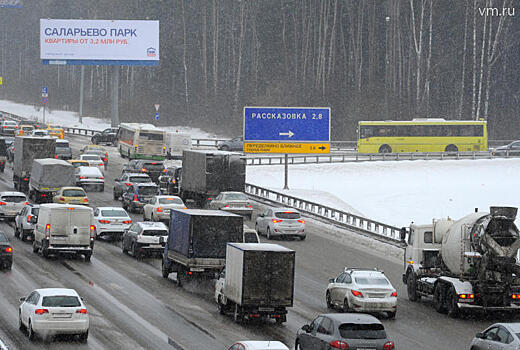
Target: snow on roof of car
[(152, 225), (264, 345), (272, 247), (57, 291), (90, 170), (12, 193)]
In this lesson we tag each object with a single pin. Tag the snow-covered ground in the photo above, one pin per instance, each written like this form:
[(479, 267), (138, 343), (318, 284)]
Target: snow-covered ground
[(71, 119), (397, 193)]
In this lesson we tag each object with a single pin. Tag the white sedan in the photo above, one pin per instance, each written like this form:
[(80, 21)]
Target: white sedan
[(362, 290), (111, 222), (158, 209), (93, 160), (50, 311)]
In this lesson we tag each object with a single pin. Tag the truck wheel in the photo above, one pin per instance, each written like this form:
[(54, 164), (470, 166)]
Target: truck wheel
[(391, 315), (411, 287), (88, 256), (438, 300), (452, 298), (180, 276), (221, 307), (35, 247), (165, 270)]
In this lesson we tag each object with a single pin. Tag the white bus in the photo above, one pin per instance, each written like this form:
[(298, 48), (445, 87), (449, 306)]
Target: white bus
[(141, 141)]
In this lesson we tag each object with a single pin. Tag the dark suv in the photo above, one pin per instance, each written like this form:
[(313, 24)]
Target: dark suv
[(153, 168), (136, 196), (169, 181), (6, 252), (106, 136)]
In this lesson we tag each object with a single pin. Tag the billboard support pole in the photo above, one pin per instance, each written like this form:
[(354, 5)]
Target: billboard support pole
[(286, 172), (82, 80), (114, 96)]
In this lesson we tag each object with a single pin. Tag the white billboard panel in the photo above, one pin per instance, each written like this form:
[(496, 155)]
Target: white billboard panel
[(98, 40)]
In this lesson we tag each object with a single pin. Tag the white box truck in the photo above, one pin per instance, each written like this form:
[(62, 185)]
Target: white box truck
[(176, 143), (257, 282), (61, 228)]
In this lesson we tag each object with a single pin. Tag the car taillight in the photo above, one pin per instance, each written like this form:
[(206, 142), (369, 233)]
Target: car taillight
[(159, 209), (25, 179), (5, 126), (47, 230), (100, 177), (104, 221), (102, 164), (26, 203), (357, 293), (468, 296), (301, 221), (128, 184), (276, 221), (56, 156), (389, 345), (82, 177), (62, 199), (8, 250), (16, 126), (81, 311), (394, 294), (173, 181), (515, 296), (3, 203), (144, 170), (104, 159), (209, 198), (226, 206), (85, 200), (338, 344), (41, 311), (249, 206), (92, 231), (164, 170), (28, 219), (135, 198), (127, 222)]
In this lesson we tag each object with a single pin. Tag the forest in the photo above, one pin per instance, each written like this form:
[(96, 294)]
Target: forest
[(366, 59)]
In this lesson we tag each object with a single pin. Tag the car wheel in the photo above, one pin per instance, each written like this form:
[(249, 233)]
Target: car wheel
[(268, 234), (297, 346), (391, 315), (346, 306), (123, 248), (302, 238), (83, 337), (21, 326), (135, 253), (329, 301), (45, 253), (30, 332), (224, 148), (101, 188), (125, 207), (17, 232)]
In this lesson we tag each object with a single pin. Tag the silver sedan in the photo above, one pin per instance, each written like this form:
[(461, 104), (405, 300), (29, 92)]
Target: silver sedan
[(281, 222), (158, 209), (499, 336), (234, 202)]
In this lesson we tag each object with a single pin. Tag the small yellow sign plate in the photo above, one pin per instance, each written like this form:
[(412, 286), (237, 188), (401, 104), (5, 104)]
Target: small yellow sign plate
[(286, 147)]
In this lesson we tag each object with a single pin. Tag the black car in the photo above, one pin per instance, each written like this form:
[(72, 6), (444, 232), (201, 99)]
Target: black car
[(3, 153), (151, 167), (169, 181), (106, 136), (6, 252), (137, 195), (343, 331), (63, 150)]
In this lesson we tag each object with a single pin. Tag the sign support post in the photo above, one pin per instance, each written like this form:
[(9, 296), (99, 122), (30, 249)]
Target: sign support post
[(286, 172), (114, 95), (82, 80)]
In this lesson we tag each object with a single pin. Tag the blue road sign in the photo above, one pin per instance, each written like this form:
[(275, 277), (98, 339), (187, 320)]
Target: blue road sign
[(287, 124), (44, 100), (157, 116), (45, 90)]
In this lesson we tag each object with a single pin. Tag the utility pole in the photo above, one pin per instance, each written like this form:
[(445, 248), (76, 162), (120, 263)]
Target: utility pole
[(115, 96), (82, 80)]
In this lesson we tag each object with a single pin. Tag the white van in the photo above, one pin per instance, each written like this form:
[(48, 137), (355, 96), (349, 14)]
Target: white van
[(62, 228), (176, 143)]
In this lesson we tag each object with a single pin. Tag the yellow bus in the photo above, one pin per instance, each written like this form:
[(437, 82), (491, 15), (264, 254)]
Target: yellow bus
[(422, 135)]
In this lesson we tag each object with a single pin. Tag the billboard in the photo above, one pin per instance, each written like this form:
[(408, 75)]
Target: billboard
[(118, 42), (11, 3)]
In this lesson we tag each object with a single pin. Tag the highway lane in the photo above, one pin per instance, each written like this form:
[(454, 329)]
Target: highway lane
[(132, 306)]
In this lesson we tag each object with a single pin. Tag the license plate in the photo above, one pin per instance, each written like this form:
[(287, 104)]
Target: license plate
[(196, 269), (269, 309), (155, 246), (59, 238), (61, 315)]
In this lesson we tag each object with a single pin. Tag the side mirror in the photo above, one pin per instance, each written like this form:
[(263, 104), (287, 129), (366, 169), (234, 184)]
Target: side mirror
[(306, 328), (479, 335), (262, 215), (402, 233), (34, 219), (332, 280), (22, 299)]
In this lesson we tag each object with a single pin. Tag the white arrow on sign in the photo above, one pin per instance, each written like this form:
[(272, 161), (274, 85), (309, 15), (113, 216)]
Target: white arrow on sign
[(157, 107), (290, 133)]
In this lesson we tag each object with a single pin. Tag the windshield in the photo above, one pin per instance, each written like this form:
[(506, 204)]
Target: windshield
[(378, 281), (10, 123), (235, 197), (171, 201), (155, 233), (15, 199), (74, 193), (62, 145), (113, 213), (140, 179), (362, 331), (287, 215), (35, 211), (61, 301), (147, 191), (78, 164), (3, 238)]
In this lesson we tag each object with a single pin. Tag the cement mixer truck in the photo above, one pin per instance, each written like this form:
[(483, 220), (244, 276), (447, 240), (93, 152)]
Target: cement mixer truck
[(465, 265)]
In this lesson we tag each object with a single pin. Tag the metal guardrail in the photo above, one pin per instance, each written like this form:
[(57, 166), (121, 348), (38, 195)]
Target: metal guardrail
[(358, 157), (373, 228)]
